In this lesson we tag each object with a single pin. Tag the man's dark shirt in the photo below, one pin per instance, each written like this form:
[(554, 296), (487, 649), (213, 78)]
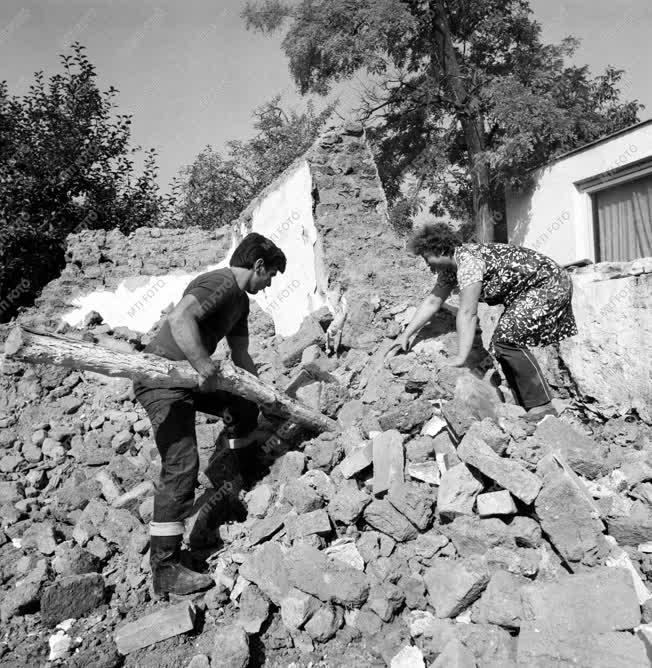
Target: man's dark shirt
[(225, 308)]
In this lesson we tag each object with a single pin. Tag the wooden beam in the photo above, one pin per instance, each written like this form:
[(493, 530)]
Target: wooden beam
[(28, 345)]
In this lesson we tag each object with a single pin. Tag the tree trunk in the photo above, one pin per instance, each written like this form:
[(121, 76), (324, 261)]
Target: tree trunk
[(26, 345), (445, 62)]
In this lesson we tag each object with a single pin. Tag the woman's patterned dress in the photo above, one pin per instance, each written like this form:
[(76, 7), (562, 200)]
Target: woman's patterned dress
[(535, 291)]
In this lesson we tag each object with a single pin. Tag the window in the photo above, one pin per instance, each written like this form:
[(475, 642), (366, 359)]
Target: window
[(622, 221), (622, 211)]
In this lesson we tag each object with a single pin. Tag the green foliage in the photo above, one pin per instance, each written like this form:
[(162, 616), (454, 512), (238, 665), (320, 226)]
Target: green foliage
[(462, 94), (214, 190), (65, 165)]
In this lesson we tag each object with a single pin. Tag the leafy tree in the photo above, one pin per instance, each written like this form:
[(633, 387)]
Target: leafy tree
[(462, 94), (214, 189), (65, 165)]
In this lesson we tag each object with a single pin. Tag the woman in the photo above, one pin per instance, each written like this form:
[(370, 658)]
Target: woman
[(535, 291)]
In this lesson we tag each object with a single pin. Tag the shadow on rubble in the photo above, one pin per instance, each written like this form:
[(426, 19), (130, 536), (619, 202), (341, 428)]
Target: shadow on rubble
[(231, 473)]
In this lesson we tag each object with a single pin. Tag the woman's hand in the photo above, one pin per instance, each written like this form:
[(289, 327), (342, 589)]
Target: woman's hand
[(401, 344)]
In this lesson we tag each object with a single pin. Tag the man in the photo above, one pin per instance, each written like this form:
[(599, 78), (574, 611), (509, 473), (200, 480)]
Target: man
[(214, 305)]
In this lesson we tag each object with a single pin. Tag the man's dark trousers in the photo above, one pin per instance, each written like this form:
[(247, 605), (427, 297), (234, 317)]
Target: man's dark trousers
[(172, 414)]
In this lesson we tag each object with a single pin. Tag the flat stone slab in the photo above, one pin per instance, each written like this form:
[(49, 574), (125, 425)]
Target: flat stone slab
[(160, 625), (388, 460)]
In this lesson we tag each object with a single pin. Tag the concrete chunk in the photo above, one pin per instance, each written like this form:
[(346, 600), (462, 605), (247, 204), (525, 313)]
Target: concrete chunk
[(388, 460), (508, 473), (457, 491), (453, 585), (230, 647), (297, 608), (267, 568), (455, 655), (160, 625)]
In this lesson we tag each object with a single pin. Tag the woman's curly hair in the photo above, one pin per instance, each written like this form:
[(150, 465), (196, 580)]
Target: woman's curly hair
[(436, 238)]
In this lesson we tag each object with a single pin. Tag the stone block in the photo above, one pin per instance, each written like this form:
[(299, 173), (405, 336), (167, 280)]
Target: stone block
[(495, 503), (425, 472), (348, 503), (459, 418), (542, 649), (230, 647), (72, 596), (454, 585), (388, 461), (408, 657), (267, 568), (489, 432), (500, 603), (473, 535), (297, 608), (414, 502), (569, 519), (586, 457), (291, 348), (160, 625), (407, 416), (385, 600), (508, 473), (458, 489), (254, 609), (598, 601), (455, 655), (359, 459), (381, 515), (313, 572), (300, 526), (324, 623)]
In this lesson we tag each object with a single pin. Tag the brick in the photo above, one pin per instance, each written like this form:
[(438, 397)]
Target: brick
[(160, 625)]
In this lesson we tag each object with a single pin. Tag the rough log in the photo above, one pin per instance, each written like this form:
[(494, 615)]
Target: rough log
[(28, 345)]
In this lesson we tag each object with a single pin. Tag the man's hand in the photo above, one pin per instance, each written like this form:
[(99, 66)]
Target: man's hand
[(401, 344), (208, 372)]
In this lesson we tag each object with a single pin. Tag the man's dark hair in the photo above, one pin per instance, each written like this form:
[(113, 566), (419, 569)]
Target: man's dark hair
[(436, 238), (255, 246)]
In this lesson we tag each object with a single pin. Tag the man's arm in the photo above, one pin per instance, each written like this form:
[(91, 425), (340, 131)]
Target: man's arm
[(239, 345), (184, 326)]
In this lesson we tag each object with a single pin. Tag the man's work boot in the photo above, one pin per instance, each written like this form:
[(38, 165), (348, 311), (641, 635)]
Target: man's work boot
[(169, 575)]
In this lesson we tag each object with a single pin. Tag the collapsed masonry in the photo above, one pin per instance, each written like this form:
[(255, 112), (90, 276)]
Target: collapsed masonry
[(437, 528)]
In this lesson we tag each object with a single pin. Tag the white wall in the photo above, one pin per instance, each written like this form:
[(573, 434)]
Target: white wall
[(556, 218), (284, 215)]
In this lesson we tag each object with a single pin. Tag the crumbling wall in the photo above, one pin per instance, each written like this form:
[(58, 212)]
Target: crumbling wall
[(608, 365)]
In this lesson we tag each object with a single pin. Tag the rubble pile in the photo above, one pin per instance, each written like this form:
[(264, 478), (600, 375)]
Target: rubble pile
[(439, 527)]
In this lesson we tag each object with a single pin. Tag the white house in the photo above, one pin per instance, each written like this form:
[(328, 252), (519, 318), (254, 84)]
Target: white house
[(594, 202)]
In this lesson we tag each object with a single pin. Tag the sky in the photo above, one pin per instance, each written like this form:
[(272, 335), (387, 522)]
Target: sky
[(191, 74)]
